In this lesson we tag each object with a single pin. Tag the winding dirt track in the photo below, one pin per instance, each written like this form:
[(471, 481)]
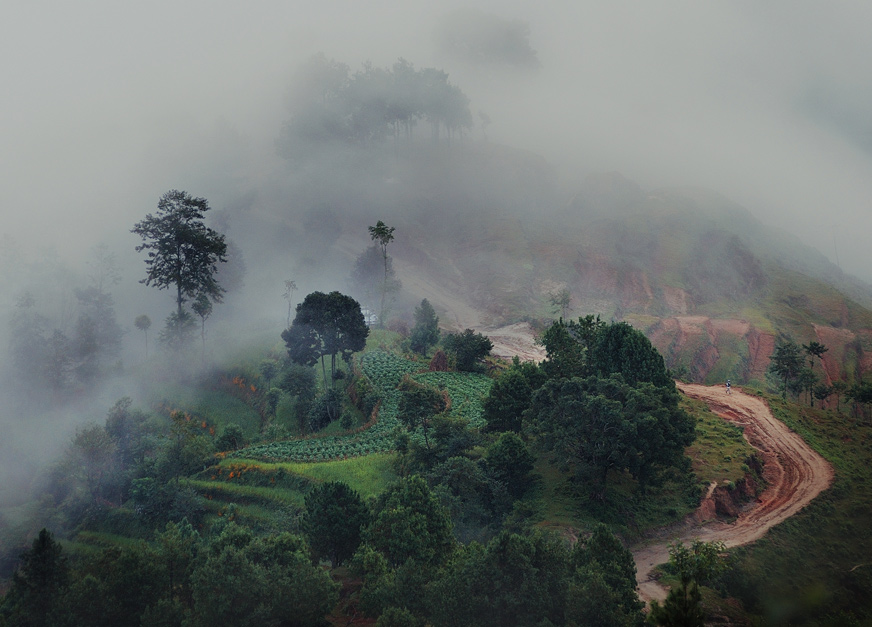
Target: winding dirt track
[(795, 475)]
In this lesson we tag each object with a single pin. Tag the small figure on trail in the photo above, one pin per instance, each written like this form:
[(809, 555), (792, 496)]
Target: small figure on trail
[(728, 387)]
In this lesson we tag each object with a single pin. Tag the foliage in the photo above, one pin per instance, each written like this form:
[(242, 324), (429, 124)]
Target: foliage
[(334, 106), (786, 363), (591, 347), (371, 278), (418, 405), (334, 519), (409, 522), (604, 424), (37, 584), (509, 462), (290, 288), (97, 339), (397, 617), (468, 348), (476, 501), (619, 348), (514, 580), (383, 235), (115, 588), (326, 324), (425, 333), (255, 581), (694, 565), (93, 458), (510, 397), (605, 577), (560, 302), (324, 410), (181, 250), (143, 323), (178, 330), (567, 346), (231, 438)]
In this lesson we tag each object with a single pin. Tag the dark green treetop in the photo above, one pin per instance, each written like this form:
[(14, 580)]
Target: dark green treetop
[(326, 324), (600, 424), (181, 250), (468, 348), (334, 520), (425, 333)]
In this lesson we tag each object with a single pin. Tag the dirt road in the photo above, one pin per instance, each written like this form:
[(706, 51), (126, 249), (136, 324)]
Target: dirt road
[(795, 475)]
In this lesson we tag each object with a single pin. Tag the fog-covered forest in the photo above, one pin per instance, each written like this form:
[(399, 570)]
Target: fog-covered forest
[(627, 195)]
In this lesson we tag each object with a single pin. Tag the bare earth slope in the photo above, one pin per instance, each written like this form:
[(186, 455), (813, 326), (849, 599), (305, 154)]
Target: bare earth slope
[(795, 474), (509, 341)]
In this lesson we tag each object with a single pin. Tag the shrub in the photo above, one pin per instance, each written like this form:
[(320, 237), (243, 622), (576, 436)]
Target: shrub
[(439, 363)]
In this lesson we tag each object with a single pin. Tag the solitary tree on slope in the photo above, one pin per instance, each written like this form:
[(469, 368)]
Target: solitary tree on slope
[(181, 250), (383, 235)]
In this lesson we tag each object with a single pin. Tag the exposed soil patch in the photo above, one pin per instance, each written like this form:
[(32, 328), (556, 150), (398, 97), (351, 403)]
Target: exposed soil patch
[(456, 315), (795, 474)]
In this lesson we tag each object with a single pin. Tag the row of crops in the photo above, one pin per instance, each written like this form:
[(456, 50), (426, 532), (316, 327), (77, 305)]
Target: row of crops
[(385, 371)]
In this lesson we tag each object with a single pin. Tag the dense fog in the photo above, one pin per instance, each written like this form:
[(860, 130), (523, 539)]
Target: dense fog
[(106, 106)]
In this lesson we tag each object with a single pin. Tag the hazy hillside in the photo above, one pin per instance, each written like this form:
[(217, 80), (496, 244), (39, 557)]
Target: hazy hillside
[(711, 285)]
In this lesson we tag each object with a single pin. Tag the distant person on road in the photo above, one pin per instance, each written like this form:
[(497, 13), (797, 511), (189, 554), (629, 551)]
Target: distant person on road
[(728, 387)]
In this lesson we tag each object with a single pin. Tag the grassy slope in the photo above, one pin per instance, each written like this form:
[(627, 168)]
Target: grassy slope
[(817, 565)]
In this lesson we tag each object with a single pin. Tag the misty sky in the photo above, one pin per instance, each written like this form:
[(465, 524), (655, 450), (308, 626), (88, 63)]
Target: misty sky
[(106, 105)]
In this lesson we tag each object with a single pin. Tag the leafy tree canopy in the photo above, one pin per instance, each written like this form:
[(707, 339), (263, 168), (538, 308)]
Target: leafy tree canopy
[(603, 424), (510, 396), (468, 348), (326, 324), (181, 250), (334, 519), (425, 333), (409, 522)]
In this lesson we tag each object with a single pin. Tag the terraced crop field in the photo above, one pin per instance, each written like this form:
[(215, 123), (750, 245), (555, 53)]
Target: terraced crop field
[(385, 371)]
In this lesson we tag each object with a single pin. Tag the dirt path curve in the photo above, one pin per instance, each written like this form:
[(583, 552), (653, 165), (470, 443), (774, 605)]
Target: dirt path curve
[(795, 475)]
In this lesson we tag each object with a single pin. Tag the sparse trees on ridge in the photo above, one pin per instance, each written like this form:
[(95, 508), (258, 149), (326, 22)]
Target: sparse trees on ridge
[(560, 302), (330, 105)]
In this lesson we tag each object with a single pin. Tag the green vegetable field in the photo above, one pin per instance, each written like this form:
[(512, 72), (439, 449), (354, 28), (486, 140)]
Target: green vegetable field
[(385, 371)]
